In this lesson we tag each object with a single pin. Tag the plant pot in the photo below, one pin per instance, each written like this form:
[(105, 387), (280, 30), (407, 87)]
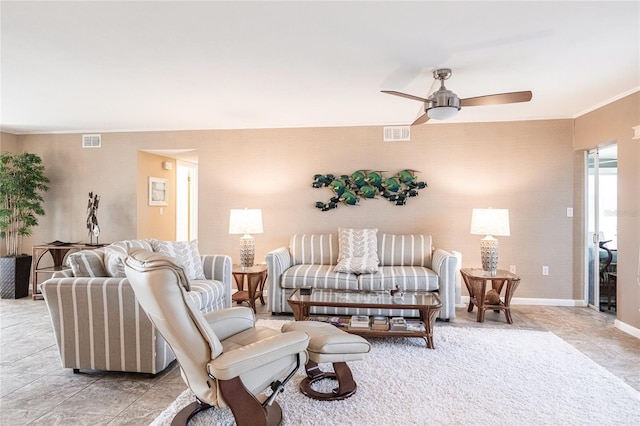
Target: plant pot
[(14, 276)]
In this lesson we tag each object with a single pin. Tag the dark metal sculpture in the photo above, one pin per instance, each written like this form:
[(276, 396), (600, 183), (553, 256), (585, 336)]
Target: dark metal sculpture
[(92, 218)]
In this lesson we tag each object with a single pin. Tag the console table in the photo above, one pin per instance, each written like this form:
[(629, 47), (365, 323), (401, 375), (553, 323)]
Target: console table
[(58, 254), (476, 282)]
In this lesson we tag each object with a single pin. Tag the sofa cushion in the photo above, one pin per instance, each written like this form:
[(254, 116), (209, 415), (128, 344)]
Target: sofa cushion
[(87, 263), (314, 249), (116, 253), (404, 250), (405, 277), (185, 253), (357, 265), (317, 276)]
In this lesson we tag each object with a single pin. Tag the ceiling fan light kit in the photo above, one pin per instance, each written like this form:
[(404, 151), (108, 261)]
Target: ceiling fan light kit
[(444, 104), (442, 113)]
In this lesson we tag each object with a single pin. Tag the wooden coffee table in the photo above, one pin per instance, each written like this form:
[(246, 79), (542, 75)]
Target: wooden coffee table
[(427, 304)]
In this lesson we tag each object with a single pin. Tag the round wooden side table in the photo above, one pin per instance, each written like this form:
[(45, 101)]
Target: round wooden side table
[(476, 282), (255, 277)]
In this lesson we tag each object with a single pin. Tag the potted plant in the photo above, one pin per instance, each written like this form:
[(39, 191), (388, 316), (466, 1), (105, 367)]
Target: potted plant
[(22, 181)]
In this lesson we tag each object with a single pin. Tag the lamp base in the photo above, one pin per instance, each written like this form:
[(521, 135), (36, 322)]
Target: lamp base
[(489, 254), (247, 251)]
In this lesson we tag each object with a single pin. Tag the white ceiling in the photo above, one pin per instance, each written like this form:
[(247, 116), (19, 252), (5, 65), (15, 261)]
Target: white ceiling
[(107, 66)]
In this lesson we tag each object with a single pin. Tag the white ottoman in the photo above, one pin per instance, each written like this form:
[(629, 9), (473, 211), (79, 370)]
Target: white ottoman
[(327, 343)]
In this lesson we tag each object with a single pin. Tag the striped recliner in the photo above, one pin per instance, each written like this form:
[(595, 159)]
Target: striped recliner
[(408, 261), (99, 324)]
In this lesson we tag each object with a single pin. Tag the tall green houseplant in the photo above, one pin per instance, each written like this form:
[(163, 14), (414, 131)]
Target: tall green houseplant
[(22, 182)]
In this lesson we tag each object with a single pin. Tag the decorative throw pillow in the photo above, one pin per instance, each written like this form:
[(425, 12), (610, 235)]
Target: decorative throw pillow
[(357, 243), (185, 253), (114, 256), (357, 265), (87, 263), (116, 253)]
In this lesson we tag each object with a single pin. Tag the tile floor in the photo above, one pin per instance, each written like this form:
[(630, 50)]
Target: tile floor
[(35, 390)]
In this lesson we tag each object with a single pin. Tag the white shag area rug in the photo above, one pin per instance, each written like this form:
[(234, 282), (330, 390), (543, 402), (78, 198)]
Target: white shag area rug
[(475, 376)]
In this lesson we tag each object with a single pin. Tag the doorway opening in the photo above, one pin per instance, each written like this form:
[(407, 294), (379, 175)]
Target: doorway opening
[(187, 201), (602, 228)]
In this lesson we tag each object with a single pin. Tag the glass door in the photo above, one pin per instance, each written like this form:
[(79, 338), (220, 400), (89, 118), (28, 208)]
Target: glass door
[(602, 228), (591, 238)]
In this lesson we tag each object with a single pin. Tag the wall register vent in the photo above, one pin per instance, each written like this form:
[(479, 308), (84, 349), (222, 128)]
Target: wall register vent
[(91, 141), (397, 134)]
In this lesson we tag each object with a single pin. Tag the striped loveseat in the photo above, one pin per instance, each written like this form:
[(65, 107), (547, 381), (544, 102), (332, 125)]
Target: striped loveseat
[(408, 261), (96, 318)]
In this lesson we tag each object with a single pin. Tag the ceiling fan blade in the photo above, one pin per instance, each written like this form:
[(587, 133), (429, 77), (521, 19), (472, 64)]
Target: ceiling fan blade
[(501, 98), (404, 95), (421, 120)]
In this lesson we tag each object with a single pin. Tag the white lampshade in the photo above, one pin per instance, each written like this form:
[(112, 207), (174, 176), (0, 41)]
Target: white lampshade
[(490, 222), (245, 221), (442, 113)]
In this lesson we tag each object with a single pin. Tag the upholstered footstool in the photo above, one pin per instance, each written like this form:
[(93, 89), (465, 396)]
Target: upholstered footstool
[(329, 344)]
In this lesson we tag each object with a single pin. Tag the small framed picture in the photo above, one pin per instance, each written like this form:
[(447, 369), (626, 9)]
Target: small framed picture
[(158, 191)]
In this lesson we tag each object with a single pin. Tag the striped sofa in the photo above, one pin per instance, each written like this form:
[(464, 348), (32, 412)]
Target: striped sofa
[(408, 261), (97, 321)]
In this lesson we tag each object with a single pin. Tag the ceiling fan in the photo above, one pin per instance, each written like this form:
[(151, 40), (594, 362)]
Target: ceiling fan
[(444, 104)]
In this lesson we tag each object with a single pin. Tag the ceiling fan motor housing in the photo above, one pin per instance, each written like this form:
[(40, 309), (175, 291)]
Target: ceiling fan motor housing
[(442, 98)]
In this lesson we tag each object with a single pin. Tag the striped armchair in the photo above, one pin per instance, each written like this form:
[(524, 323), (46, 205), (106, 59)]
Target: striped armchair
[(406, 261), (98, 322)]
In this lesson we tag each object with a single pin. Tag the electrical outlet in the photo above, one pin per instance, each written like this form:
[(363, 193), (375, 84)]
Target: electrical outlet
[(545, 270), (512, 269)]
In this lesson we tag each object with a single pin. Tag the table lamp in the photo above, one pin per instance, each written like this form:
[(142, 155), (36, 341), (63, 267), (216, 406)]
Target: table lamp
[(490, 222), (246, 222)]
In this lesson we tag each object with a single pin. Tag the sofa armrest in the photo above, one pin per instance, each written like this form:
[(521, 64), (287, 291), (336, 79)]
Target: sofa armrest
[(445, 264), (278, 261), (218, 267), (99, 325), (227, 322)]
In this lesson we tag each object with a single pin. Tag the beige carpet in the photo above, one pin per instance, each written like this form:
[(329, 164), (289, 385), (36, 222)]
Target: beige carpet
[(475, 376)]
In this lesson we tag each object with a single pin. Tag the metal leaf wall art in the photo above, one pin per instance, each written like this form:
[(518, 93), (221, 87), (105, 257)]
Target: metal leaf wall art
[(368, 184)]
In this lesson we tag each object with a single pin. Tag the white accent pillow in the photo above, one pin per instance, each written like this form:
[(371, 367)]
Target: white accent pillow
[(357, 265), (185, 254), (357, 243)]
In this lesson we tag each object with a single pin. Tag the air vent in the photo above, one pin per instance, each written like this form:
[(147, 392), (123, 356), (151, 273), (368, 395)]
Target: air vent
[(397, 133), (91, 141)]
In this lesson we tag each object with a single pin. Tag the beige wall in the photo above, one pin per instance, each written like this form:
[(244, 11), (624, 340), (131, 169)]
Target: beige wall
[(526, 167), (613, 124), (533, 168), (155, 221), (8, 142)]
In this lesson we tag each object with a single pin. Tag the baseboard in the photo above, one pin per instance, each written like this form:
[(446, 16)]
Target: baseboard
[(536, 302), (622, 326), (629, 329)]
